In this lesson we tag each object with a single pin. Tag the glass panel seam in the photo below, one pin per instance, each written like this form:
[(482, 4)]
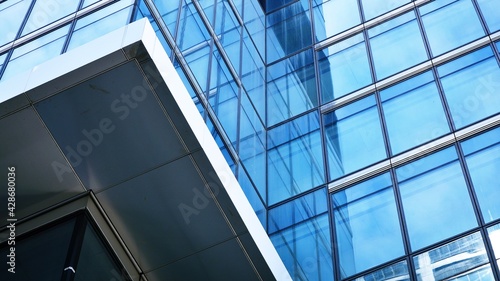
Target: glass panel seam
[(420, 151)]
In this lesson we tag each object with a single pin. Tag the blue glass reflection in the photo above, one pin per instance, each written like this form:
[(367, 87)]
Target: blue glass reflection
[(252, 140), (353, 137), (99, 23), (37, 51), (252, 196), (298, 210), (482, 154), (12, 14), (197, 62), (462, 259), (253, 75), (396, 45), (305, 249), (345, 69), (334, 16), (494, 236), (288, 30), (46, 12), (374, 8), (490, 10), (295, 158), (254, 21), (169, 10), (367, 225), (191, 31), (471, 85), (434, 193), (413, 113), (398, 271), (228, 31), (291, 87), (450, 24)]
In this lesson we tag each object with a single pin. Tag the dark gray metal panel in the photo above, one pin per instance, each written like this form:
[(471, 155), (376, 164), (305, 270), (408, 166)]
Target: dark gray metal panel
[(166, 214), (26, 145), (224, 262), (111, 127)]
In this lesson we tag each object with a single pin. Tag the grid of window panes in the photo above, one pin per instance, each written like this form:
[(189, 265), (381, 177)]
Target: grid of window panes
[(310, 93)]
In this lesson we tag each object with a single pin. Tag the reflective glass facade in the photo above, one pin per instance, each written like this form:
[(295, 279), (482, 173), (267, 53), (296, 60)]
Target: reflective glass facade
[(364, 133)]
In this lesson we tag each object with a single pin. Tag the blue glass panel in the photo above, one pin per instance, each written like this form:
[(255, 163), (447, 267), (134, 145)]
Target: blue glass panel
[(353, 137), (12, 14), (228, 31), (305, 249), (169, 10), (276, 4), (48, 11), (207, 7), (37, 51), (367, 225), (298, 210), (191, 31), (252, 196), (252, 144), (99, 23), (254, 21), (471, 86), (142, 11), (374, 8), (223, 97), (482, 154), (396, 45), (494, 236), (345, 69), (491, 13), (185, 80), (462, 259), (288, 30), (450, 25), (413, 113), (253, 75), (295, 158), (434, 193), (291, 87), (197, 62), (397, 271), (334, 16)]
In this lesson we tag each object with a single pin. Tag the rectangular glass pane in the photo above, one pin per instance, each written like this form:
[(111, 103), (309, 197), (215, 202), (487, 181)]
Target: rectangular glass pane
[(404, 105), (494, 236), (367, 225), (398, 271), (298, 210), (450, 25), (344, 68), (291, 87), (396, 45), (48, 11), (375, 8), (295, 158), (36, 52), (191, 31), (334, 16), (490, 10), (12, 14), (462, 259), (353, 137), (253, 75), (434, 193), (482, 154), (98, 24), (169, 11), (288, 30), (305, 249), (471, 85)]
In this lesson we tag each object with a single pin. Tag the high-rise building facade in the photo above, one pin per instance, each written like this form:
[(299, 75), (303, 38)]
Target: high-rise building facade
[(364, 133)]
